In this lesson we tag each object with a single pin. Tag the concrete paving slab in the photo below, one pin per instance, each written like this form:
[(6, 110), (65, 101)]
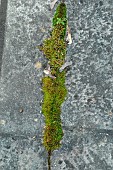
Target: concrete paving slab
[(87, 113)]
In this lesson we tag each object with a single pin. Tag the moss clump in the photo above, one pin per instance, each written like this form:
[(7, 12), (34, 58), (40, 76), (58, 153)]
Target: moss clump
[(54, 90)]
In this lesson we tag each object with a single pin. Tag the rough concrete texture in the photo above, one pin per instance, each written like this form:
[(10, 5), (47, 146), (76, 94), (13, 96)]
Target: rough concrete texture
[(87, 113)]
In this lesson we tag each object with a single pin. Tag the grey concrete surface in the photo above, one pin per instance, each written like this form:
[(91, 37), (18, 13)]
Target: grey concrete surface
[(87, 113)]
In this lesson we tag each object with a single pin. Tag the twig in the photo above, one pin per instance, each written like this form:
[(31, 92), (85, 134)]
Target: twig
[(49, 160)]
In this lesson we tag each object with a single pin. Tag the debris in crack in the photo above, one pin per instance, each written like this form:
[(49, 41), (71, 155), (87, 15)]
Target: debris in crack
[(66, 64), (69, 39), (53, 4)]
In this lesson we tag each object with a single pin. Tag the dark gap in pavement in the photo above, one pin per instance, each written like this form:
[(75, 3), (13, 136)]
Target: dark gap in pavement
[(3, 13), (18, 136)]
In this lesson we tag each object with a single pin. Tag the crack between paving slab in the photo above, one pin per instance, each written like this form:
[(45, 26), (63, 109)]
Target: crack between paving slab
[(67, 128), (11, 135), (71, 128), (3, 13)]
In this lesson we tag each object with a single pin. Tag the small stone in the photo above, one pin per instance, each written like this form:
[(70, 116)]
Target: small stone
[(36, 120), (21, 110), (2, 122)]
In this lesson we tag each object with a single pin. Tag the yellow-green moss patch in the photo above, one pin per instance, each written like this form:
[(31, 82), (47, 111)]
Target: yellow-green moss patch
[(54, 90)]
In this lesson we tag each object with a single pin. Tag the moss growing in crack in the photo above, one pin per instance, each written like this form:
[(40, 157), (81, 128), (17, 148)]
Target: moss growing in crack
[(54, 90)]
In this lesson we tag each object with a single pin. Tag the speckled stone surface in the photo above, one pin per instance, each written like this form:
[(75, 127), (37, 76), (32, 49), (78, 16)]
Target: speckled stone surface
[(87, 113)]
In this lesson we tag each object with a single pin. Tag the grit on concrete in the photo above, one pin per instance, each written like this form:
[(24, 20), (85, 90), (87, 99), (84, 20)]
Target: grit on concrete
[(87, 113)]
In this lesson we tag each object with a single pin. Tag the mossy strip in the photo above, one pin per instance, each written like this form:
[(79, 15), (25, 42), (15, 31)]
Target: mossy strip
[(54, 90)]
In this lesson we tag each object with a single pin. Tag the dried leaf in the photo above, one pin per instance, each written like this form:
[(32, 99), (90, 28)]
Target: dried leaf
[(53, 4), (69, 39), (47, 72), (53, 77), (42, 29), (65, 65), (110, 113), (38, 65)]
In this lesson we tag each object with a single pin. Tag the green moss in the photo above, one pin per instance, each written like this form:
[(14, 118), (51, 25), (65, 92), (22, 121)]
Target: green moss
[(54, 90)]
